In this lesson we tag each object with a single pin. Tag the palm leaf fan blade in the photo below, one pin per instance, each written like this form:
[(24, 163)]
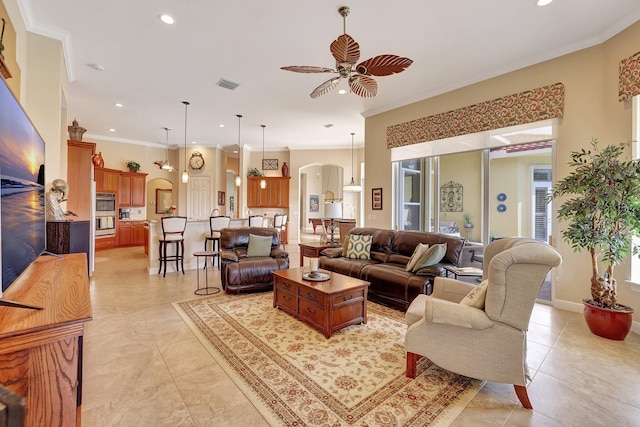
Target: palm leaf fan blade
[(345, 49), (325, 87), (363, 86), (383, 65), (307, 69)]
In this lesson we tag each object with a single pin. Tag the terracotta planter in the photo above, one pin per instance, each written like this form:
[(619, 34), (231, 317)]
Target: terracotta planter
[(607, 323)]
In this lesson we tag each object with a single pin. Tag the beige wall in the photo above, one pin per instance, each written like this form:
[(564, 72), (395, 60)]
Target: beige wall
[(591, 110)]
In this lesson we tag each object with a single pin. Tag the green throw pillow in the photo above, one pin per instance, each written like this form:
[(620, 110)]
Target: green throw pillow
[(259, 245), (359, 247), (345, 245), (417, 253), (431, 256)]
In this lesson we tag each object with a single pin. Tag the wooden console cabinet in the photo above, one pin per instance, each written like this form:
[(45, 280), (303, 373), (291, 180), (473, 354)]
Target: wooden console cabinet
[(41, 350)]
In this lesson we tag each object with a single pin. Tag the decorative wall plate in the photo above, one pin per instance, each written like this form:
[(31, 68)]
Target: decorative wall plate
[(270, 164), (501, 207), (502, 197)]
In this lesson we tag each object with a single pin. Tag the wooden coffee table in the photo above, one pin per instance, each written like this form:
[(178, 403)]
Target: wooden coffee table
[(328, 306)]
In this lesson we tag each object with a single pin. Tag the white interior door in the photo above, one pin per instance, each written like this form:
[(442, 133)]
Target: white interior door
[(199, 190)]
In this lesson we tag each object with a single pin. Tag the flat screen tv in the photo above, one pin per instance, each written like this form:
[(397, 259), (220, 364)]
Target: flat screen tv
[(22, 203)]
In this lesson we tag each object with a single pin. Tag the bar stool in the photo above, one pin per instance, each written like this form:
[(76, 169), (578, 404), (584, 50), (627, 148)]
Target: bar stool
[(172, 232), (207, 290), (216, 223), (279, 222)]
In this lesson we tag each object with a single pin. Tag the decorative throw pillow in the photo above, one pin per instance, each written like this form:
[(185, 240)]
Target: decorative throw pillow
[(431, 256), (359, 247), (259, 245), (476, 297), (345, 245), (417, 253)]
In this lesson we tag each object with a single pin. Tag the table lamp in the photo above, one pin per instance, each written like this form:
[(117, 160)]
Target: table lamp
[(332, 211)]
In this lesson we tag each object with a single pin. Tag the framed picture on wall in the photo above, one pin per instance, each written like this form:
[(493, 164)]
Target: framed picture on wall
[(314, 203), (376, 199), (164, 200), (221, 195)]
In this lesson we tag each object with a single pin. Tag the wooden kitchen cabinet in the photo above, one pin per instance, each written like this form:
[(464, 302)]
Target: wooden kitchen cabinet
[(106, 180), (276, 195), (130, 233), (79, 178), (132, 189)]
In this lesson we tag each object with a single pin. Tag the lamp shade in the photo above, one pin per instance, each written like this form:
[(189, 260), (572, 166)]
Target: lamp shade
[(333, 210)]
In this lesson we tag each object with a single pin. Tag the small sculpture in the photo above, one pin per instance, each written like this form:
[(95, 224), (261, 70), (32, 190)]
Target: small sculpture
[(76, 131), (55, 196)]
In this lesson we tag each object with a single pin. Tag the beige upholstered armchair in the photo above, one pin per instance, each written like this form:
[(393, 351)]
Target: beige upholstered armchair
[(487, 343)]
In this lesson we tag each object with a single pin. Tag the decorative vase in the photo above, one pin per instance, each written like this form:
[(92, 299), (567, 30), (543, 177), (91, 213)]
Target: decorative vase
[(97, 160), (285, 169), (608, 323)]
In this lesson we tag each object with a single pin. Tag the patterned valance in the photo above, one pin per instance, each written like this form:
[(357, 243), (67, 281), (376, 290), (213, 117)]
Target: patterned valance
[(525, 107), (629, 77)]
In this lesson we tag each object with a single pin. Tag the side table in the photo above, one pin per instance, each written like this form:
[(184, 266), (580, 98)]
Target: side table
[(207, 290), (464, 271), (312, 250)]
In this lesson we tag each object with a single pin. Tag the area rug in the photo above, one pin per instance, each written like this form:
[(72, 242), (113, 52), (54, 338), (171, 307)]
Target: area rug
[(296, 377)]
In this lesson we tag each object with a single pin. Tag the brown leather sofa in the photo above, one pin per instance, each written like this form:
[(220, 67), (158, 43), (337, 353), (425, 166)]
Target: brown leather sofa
[(390, 252), (240, 273)]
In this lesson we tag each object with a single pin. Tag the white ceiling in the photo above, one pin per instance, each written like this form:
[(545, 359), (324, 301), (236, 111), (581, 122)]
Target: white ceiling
[(151, 67)]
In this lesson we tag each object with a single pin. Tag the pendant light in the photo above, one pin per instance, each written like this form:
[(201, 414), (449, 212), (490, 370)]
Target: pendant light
[(164, 164), (185, 174), (352, 187), (238, 177), (263, 182)]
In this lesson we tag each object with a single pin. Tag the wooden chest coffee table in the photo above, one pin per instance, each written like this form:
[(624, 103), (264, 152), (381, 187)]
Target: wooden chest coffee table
[(328, 306)]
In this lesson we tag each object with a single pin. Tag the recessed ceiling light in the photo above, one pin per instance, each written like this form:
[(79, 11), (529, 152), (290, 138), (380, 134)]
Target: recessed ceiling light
[(167, 19), (117, 104), (342, 91), (221, 125), (235, 151), (328, 125), (112, 130), (194, 142), (96, 67), (543, 2)]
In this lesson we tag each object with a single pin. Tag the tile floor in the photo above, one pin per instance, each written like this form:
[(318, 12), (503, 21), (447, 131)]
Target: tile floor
[(144, 367)]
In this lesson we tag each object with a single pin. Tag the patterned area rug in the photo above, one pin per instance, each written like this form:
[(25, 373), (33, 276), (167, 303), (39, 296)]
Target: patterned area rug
[(296, 377)]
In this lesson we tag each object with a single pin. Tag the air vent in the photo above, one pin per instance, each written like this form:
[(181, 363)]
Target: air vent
[(227, 84)]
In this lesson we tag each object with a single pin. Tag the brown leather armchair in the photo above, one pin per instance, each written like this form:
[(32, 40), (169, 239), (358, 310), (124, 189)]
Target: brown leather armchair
[(248, 274)]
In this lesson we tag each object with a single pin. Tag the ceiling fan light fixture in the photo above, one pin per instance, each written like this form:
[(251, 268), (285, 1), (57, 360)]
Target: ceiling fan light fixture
[(346, 52), (165, 164)]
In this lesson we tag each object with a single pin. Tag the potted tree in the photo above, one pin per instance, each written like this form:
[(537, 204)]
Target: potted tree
[(602, 215)]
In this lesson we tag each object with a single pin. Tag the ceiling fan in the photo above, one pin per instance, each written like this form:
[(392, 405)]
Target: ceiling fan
[(346, 52)]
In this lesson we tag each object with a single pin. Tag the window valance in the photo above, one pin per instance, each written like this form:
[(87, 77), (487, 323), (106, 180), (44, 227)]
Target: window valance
[(525, 107), (629, 77)]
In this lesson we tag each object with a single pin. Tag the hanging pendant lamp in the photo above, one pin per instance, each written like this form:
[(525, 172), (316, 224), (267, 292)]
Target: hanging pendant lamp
[(164, 164), (263, 182), (352, 187), (185, 174), (238, 177)]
